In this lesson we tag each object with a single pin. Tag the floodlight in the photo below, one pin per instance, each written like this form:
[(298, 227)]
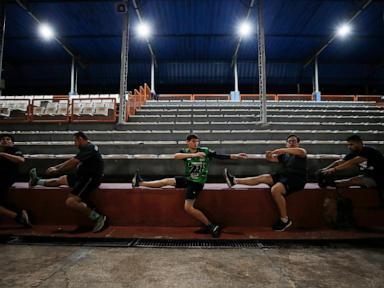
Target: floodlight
[(244, 29), (46, 31), (343, 30), (143, 30)]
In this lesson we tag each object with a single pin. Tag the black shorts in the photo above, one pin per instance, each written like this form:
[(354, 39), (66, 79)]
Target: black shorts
[(193, 188), (5, 184), (83, 186), (291, 182)]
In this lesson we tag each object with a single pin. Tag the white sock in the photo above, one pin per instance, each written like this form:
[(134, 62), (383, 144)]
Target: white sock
[(284, 219)]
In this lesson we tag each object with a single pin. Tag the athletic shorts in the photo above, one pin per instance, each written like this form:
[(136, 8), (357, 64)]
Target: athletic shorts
[(292, 183), (83, 186), (5, 184), (193, 188), (368, 181)]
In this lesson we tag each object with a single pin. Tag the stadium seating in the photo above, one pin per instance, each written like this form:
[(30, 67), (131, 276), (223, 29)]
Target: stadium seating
[(156, 130)]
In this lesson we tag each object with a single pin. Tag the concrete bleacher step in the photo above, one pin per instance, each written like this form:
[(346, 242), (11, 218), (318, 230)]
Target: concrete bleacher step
[(158, 119), (240, 207), (186, 103), (256, 125), (210, 135), (225, 125), (169, 147), (235, 111)]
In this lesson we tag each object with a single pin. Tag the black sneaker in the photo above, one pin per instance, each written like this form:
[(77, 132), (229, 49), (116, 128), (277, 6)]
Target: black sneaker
[(136, 179), (23, 219), (100, 223), (281, 226), (215, 231), (33, 178), (229, 178)]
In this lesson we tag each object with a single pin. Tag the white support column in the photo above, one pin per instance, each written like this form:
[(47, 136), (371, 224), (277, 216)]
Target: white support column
[(316, 93), (73, 76), (153, 74), (124, 65), (261, 62), (236, 76), (2, 34)]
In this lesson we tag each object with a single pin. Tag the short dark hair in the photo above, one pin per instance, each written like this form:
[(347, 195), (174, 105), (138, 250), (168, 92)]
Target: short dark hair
[(7, 135), (192, 136), (293, 135), (355, 138), (81, 135)]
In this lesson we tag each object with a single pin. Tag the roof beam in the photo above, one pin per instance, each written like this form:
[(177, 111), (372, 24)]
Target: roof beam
[(333, 37), (191, 35)]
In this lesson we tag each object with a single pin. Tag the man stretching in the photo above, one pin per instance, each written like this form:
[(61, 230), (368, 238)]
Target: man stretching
[(84, 181), (196, 160), (291, 177), (10, 159)]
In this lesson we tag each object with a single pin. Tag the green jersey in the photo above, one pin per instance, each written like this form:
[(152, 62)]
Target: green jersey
[(196, 168)]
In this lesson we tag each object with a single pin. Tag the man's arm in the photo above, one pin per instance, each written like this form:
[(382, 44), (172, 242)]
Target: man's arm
[(300, 152), (334, 164), (65, 166), (345, 165), (181, 156), (214, 154), (13, 158)]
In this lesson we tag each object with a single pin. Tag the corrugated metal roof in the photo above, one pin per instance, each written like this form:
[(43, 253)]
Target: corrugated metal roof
[(194, 41)]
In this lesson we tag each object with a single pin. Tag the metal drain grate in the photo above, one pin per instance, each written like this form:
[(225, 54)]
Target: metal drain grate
[(198, 244)]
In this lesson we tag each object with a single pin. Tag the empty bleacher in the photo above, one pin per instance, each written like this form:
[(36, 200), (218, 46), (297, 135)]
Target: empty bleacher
[(156, 130)]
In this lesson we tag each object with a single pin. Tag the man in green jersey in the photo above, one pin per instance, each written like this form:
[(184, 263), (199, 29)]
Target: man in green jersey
[(196, 160)]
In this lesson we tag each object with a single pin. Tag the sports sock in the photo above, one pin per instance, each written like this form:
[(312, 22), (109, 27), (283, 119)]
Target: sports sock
[(94, 215), (284, 219)]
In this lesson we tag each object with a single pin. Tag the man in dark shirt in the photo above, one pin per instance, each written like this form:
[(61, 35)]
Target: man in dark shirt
[(369, 161), (10, 159), (196, 160), (86, 179), (290, 178)]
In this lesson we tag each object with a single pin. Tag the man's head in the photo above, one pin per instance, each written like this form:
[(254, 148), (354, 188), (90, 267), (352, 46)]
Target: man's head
[(193, 141), (80, 139), (292, 141), (354, 143), (6, 140)]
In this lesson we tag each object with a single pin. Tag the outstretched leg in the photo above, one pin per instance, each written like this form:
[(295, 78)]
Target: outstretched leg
[(137, 181), (51, 182), (261, 179)]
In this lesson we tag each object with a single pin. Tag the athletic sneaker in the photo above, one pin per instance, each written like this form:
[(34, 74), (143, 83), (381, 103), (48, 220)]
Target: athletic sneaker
[(23, 219), (229, 178), (281, 226), (33, 178), (100, 223), (136, 179), (215, 231)]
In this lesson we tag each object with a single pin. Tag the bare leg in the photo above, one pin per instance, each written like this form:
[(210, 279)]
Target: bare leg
[(261, 179), (56, 182), (196, 213), (7, 213), (354, 181), (278, 190), (159, 183), (74, 202)]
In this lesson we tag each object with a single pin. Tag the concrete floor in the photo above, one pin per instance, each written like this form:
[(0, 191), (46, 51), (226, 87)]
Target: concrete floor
[(297, 266)]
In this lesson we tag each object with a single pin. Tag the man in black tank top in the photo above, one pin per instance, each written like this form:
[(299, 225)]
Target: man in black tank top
[(366, 164), (291, 177), (85, 173)]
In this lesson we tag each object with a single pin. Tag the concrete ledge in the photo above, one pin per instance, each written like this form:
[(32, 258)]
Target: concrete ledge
[(240, 207)]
